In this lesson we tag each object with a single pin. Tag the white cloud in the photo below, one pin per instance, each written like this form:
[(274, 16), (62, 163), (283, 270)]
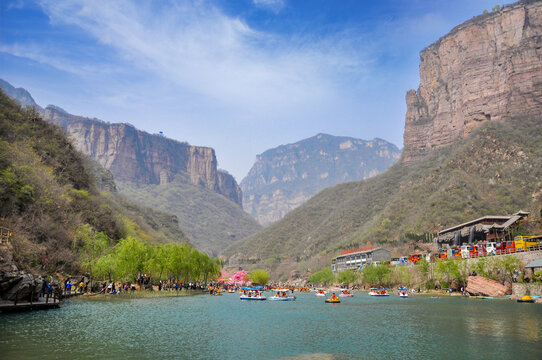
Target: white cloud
[(217, 56)]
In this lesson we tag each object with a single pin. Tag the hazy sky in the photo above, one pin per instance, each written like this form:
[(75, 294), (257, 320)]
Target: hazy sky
[(240, 76)]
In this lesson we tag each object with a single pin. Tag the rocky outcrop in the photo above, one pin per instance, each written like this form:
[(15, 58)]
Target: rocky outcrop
[(486, 69), (285, 177), (479, 285), (15, 283), (22, 96), (141, 158)]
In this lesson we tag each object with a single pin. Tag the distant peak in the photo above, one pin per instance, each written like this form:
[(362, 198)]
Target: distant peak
[(55, 108)]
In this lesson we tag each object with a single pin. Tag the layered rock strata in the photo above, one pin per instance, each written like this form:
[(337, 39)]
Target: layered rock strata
[(486, 69), (141, 158)]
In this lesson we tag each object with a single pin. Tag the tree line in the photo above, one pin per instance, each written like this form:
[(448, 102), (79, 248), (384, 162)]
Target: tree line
[(130, 256), (450, 273)]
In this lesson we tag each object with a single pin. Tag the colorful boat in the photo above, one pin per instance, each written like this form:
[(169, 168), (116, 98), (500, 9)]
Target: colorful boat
[(346, 293), (403, 292), (321, 292), (379, 292), (333, 300), (253, 294), (282, 295), (526, 299)]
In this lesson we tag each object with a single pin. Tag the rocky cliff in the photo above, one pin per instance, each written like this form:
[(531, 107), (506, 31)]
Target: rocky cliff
[(285, 177), (141, 158), (486, 69), (22, 96)]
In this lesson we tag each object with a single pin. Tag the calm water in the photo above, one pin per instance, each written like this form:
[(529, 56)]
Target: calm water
[(205, 327)]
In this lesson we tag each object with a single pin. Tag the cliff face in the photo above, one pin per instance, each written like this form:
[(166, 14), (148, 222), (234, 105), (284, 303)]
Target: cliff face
[(136, 156), (285, 177), (486, 69)]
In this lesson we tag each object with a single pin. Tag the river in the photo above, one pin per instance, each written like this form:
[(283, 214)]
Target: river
[(205, 327)]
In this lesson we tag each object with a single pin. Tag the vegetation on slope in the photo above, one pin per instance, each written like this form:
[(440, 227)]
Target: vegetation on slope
[(444, 274), (48, 193), (497, 170), (212, 221)]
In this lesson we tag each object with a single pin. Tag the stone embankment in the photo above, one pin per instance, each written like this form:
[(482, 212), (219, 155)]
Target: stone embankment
[(521, 290)]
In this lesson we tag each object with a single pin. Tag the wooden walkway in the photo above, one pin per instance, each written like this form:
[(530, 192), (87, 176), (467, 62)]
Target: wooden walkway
[(41, 304)]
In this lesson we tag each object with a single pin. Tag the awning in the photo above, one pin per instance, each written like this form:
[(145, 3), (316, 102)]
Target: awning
[(534, 264)]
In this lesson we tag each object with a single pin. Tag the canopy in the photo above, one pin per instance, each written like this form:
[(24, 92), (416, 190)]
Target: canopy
[(534, 264), (254, 288)]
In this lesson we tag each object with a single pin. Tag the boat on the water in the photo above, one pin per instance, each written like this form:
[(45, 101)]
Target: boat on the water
[(283, 295), (403, 292), (334, 299), (321, 292), (346, 293), (379, 292), (254, 294), (526, 299)]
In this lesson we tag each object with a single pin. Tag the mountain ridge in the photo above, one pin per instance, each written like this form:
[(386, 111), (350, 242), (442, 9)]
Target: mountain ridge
[(139, 160), (284, 177)]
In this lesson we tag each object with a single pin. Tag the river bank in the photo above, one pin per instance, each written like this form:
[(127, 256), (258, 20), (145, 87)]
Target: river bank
[(140, 294)]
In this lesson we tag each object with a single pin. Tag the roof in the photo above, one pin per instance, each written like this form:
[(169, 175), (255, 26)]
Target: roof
[(362, 251), (508, 220), (350, 251), (534, 264)]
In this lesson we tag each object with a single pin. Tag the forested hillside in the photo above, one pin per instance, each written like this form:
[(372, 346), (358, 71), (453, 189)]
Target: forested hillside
[(50, 195), (496, 170)]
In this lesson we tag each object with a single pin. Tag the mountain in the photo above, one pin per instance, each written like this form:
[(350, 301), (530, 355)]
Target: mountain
[(206, 201), (49, 191), (285, 177), (453, 168), (22, 96), (486, 69), (139, 157)]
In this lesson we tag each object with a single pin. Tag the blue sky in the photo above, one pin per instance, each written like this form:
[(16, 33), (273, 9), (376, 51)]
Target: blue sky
[(240, 76)]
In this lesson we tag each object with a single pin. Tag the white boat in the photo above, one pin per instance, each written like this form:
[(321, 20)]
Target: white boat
[(403, 292), (379, 292), (283, 295), (321, 293), (254, 294), (346, 293)]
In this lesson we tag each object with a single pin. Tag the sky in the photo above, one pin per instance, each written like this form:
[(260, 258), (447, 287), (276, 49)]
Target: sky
[(240, 76)]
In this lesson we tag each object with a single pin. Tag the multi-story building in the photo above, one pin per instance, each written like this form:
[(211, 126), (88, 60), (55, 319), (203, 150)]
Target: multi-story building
[(357, 258)]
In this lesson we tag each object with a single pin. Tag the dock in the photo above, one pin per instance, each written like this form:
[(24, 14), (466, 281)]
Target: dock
[(41, 304)]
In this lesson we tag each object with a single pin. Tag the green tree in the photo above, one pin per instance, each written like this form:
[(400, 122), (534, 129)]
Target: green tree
[(259, 277), (347, 277), (506, 266), (106, 267), (132, 255), (376, 275), (322, 277), (90, 245)]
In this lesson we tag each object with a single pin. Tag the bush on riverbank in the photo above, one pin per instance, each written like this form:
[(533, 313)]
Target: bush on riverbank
[(450, 273)]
